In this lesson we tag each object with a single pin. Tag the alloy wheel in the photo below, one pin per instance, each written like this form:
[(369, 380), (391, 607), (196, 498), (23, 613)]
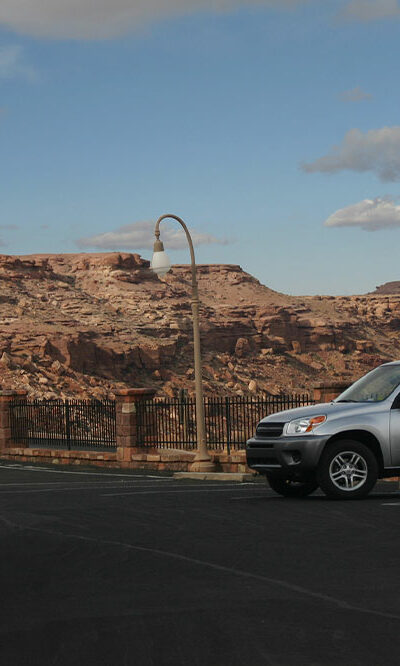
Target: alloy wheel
[(348, 470)]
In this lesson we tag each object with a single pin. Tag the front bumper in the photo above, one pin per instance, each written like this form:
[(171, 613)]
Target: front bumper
[(285, 456)]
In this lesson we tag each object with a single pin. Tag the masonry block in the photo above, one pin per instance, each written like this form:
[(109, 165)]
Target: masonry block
[(127, 401), (4, 418), (327, 391)]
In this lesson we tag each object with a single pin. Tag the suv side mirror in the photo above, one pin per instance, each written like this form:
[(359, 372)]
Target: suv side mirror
[(396, 402)]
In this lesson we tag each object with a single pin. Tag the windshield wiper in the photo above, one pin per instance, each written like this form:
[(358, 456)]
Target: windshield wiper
[(347, 400)]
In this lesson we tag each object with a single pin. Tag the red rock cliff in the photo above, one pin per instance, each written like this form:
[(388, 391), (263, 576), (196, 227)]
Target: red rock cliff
[(82, 324)]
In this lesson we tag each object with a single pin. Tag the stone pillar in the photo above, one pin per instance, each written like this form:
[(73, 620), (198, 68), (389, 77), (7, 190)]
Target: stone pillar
[(7, 396), (327, 391), (126, 413)]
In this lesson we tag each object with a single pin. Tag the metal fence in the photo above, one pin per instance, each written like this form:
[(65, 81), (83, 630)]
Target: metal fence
[(230, 421), (69, 424), (160, 422)]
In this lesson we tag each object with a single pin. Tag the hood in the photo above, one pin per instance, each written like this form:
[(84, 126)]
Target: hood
[(328, 408)]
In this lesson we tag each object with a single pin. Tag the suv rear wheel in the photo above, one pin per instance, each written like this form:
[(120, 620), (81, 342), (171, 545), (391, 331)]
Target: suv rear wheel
[(292, 488), (347, 470)]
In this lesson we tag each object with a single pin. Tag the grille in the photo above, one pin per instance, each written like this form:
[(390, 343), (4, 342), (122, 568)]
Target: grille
[(262, 461), (259, 444), (269, 429)]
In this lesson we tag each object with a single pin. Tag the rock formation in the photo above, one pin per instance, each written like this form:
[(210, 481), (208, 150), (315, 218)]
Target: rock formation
[(81, 325)]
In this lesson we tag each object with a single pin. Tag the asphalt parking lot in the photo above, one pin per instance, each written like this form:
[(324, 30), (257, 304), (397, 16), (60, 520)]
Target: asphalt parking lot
[(113, 568)]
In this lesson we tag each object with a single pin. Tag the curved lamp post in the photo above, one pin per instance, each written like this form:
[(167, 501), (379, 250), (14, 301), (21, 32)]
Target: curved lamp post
[(161, 265)]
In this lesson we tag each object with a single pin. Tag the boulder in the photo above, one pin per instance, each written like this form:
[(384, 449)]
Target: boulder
[(242, 347)]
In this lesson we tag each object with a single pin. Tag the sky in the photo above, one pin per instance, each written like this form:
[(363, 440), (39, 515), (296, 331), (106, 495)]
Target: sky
[(272, 127)]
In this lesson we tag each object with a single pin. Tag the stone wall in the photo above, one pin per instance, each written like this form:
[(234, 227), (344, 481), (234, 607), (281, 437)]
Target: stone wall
[(152, 459)]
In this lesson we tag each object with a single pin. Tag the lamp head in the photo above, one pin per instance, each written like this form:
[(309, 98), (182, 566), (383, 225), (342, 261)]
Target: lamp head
[(160, 262)]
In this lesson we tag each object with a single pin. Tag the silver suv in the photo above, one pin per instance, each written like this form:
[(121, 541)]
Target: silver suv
[(343, 446)]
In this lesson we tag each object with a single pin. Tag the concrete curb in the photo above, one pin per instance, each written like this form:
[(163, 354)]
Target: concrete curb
[(215, 476)]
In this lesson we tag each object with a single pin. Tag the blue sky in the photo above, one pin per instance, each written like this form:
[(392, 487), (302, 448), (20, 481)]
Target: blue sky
[(226, 114)]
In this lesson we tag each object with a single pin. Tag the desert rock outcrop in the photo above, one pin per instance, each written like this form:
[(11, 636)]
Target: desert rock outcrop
[(85, 324)]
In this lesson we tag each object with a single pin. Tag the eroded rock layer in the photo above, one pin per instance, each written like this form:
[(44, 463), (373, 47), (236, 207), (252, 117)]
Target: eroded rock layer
[(84, 324)]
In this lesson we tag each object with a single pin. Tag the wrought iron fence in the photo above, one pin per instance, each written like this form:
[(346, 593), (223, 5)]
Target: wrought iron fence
[(161, 422), (69, 424), (230, 421)]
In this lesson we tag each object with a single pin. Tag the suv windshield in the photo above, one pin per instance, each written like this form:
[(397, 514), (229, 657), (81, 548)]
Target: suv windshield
[(377, 385)]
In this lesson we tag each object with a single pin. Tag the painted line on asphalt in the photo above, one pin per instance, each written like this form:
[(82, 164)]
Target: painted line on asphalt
[(61, 471), (105, 486), (59, 490), (54, 490), (263, 494), (249, 575), (391, 504), (204, 489), (92, 484)]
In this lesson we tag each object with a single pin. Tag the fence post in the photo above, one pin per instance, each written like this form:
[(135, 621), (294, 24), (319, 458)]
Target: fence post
[(183, 411), (127, 401), (228, 425), (6, 397), (67, 424)]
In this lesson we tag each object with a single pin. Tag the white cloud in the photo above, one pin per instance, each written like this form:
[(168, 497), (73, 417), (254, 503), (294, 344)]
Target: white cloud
[(356, 94), (101, 19), (371, 10), (140, 235), (13, 65), (377, 150), (104, 19), (369, 214)]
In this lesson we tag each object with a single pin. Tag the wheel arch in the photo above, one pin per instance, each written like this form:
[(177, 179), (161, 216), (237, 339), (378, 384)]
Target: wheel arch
[(364, 437)]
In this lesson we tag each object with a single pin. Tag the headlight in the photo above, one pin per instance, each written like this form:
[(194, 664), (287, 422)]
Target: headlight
[(301, 426)]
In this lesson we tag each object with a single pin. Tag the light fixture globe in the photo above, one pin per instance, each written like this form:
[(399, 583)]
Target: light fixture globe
[(160, 262)]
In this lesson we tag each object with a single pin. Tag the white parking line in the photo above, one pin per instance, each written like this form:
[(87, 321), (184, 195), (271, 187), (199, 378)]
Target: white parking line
[(203, 489), (92, 484), (130, 488), (244, 499), (87, 488), (62, 471), (289, 587), (390, 504)]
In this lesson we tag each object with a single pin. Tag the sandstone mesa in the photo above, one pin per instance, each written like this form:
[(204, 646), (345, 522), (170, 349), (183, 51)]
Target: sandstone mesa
[(82, 325)]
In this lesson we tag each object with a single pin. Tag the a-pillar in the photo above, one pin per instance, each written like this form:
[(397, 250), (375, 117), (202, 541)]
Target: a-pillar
[(127, 405), (6, 397), (327, 391)]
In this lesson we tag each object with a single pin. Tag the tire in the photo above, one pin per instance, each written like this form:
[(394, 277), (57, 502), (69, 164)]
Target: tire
[(291, 487), (347, 470)]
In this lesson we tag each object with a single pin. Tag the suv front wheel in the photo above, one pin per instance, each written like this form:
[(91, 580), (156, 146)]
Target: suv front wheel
[(347, 470)]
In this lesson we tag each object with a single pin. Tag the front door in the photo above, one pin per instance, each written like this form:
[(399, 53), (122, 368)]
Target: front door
[(395, 431)]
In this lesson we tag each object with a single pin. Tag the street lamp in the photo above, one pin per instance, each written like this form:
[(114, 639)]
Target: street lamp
[(161, 265)]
